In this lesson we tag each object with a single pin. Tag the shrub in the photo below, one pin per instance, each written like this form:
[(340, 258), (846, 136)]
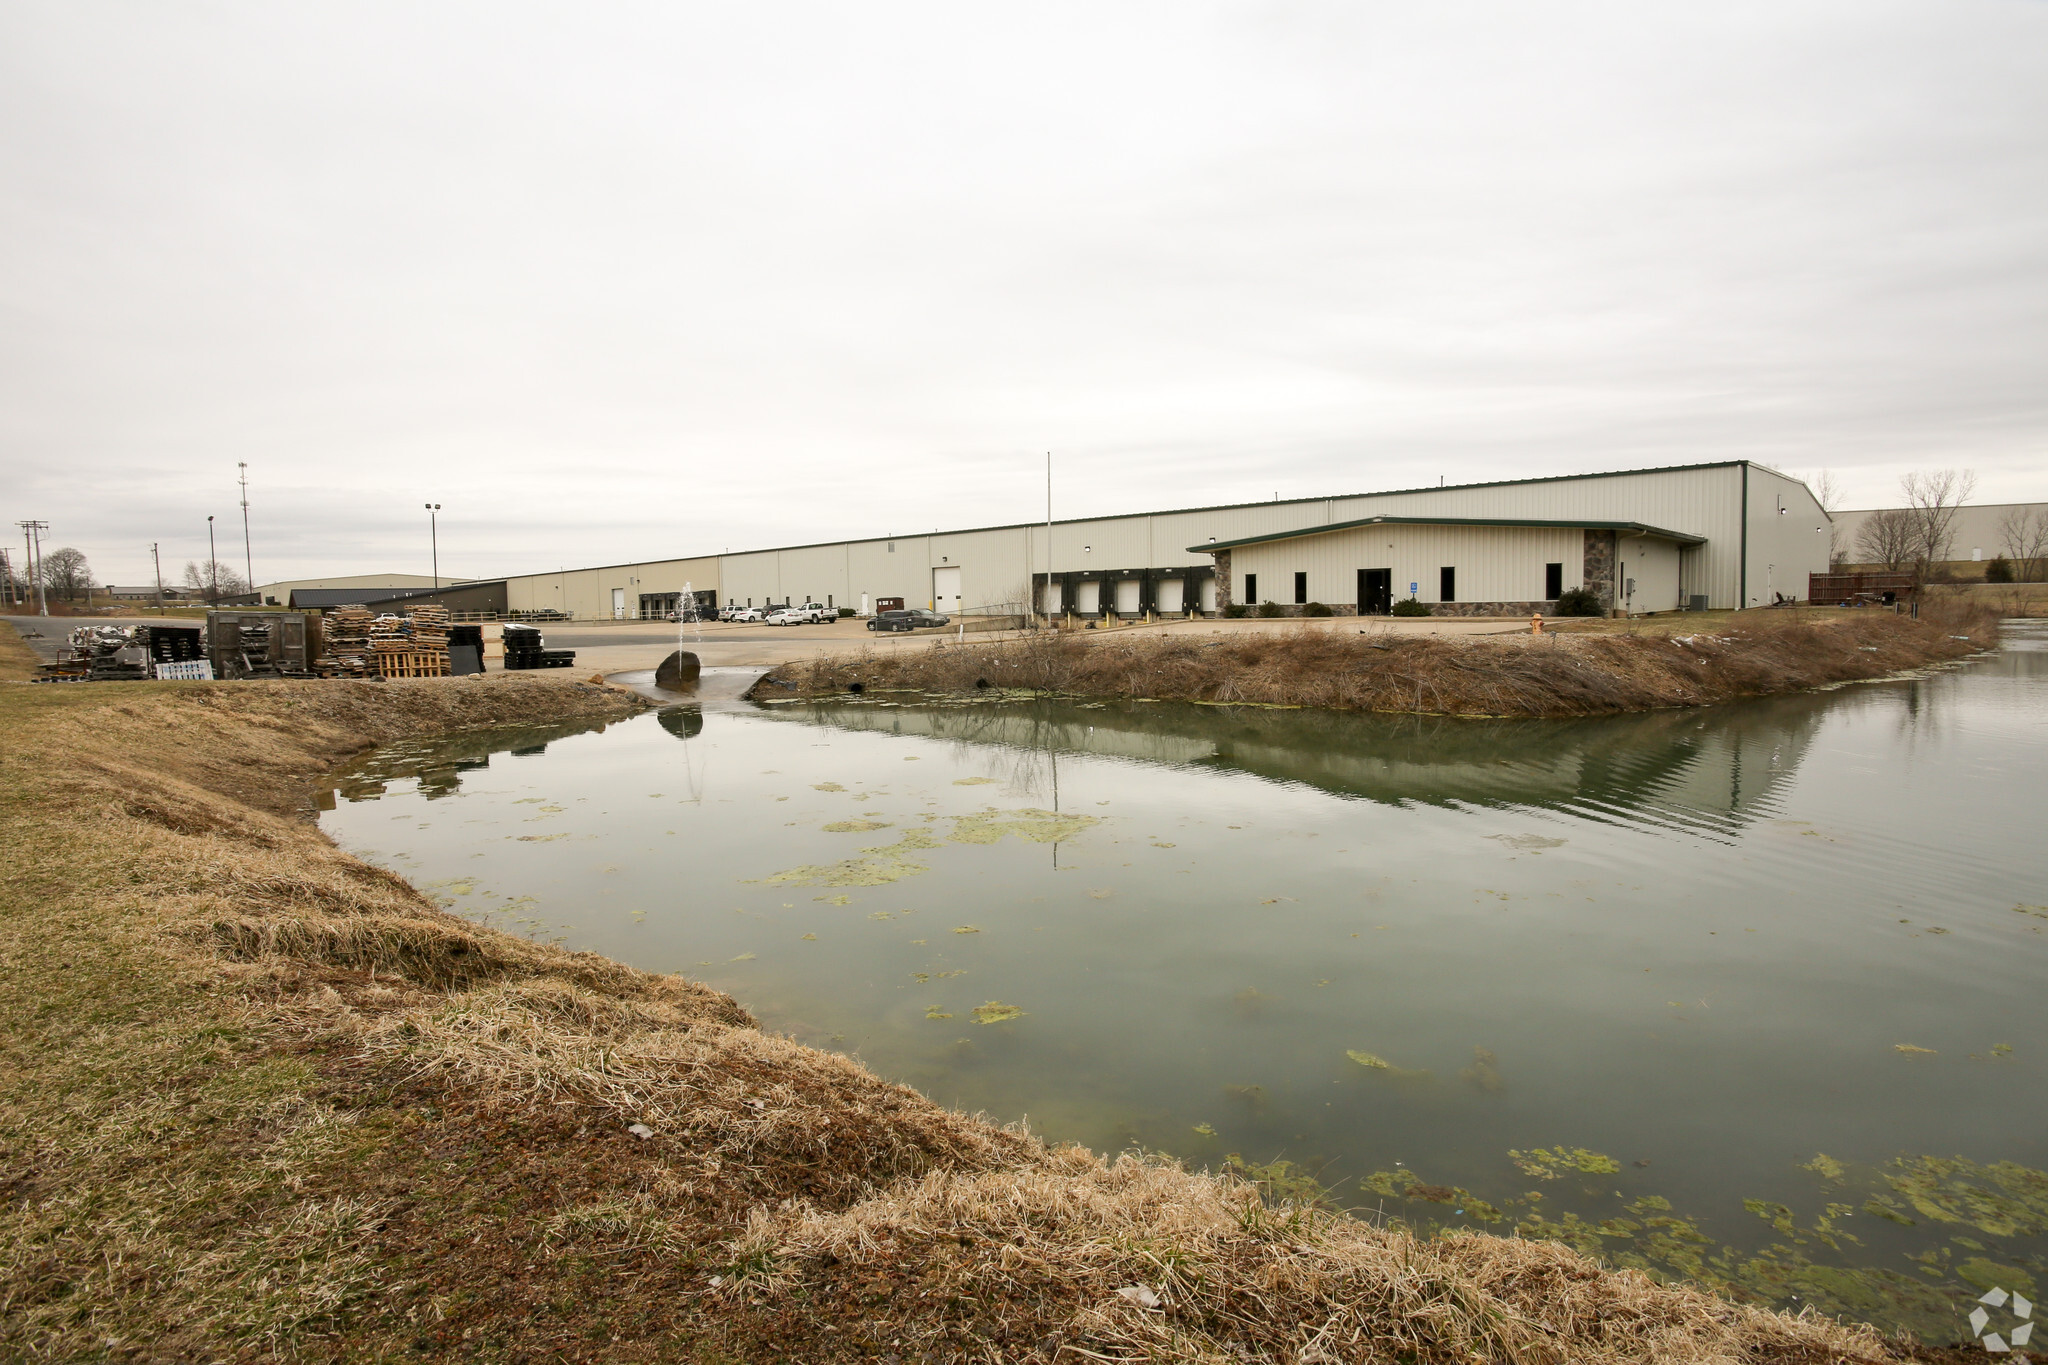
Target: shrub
[(1999, 570), (1271, 609), (845, 612), (1578, 602), (1315, 609), (1408, 606), (1234, 611)]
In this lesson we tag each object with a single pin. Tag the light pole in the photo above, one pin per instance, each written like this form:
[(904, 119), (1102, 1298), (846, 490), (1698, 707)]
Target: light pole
[(212, 568), (158, 559), (434, 538)]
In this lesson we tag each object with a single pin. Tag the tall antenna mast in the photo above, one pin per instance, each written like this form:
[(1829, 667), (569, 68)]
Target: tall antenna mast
[(248, 560)]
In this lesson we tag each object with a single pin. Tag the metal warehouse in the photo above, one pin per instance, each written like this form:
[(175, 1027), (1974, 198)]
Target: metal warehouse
[(1728, 534)]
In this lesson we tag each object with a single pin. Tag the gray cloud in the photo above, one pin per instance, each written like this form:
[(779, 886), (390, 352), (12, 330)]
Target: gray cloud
[(626, 282)]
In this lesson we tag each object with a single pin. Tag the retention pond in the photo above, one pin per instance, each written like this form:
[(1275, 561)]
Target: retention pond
[(1755, 995)]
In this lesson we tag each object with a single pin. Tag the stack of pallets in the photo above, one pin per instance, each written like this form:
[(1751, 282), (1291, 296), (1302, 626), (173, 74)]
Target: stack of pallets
[(398, 650), (345, 644), (524, 648)]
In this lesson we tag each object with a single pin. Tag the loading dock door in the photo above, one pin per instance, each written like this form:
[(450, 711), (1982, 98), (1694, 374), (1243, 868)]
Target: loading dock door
[(1127, 597), (1170, 595), (1087, 596), (618, 604), (1208, 595), (1049, 598), (946, 589), (1375, 592)]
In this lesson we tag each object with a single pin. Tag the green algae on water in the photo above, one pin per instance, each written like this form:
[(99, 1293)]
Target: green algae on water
[(1553, 1163), (855, 826), (996, 1012)]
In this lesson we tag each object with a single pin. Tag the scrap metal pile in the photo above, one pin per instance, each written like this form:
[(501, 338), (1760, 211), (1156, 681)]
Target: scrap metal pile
[(113, 653)]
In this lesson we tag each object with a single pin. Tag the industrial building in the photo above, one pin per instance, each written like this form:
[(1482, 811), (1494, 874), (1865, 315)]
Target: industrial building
[(1727, 534)]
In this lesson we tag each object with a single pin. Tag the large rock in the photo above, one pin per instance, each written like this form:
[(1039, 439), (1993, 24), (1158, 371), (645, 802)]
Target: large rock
[(678, 672)]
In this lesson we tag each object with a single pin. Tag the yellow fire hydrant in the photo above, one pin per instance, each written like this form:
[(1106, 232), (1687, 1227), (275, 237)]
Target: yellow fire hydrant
[(1536, 624)]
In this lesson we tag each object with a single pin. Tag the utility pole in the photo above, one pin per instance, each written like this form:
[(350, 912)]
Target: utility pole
[(32, 537), (212, 568), (155, 555), (248, 560), (434, 535)]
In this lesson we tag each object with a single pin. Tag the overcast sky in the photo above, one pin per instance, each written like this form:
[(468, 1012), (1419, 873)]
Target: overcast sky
[(614, 281)]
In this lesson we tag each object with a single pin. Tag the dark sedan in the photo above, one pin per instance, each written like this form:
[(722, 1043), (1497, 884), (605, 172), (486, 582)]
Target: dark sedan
[(916, 618)]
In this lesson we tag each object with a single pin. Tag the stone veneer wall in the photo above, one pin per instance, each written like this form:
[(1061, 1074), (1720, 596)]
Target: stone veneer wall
[(1599, 567), (1223, 583), (1491, 608)]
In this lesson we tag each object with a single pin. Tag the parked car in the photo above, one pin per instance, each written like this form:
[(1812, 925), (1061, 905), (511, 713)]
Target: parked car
[(743, 613), (791, 616), (916, 618)]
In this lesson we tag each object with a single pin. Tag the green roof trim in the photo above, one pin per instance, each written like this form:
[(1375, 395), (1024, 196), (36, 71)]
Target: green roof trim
[(1635, 527)]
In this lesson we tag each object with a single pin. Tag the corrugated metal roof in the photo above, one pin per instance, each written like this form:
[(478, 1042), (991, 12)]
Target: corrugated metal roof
[(319, 599), (1160, 512), (1681, 537)]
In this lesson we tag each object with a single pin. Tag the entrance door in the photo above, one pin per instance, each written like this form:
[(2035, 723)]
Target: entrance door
[(946, 589), (618, 604), (1375, 592)]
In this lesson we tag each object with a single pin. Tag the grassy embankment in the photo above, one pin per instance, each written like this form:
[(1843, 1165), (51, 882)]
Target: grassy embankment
[(261, 1100), (1590, 669)]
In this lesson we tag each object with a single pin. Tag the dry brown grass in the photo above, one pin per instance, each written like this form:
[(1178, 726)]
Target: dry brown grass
[(18, 663), (1372, 669), (260, 1101)]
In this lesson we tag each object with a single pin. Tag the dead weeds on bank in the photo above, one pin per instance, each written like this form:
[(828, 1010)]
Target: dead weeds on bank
[(261, 1101), (1367, 668)]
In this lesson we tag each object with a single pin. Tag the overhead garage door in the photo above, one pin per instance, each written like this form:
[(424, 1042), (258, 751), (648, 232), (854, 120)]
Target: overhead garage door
[(1127, 596), (946, 589), (1208, 597), (1049, 598), (1169, 591), (1087, 596)]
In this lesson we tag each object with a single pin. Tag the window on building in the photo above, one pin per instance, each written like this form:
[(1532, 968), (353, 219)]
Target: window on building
[(892, 547), (1553, 582), (1251, 588), (1300, 587), (1447, 584)]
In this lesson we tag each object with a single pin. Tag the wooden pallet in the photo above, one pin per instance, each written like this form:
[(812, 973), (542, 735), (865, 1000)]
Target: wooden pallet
[(415, 663)]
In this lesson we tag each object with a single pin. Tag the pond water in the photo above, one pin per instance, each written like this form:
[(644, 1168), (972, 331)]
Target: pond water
[(1755, 994)]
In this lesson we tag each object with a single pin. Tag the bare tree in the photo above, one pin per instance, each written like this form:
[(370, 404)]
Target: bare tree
[(67, 572), (1887, 537), (1827, 491), (214, 579), (2023, 532), (1932, 501)]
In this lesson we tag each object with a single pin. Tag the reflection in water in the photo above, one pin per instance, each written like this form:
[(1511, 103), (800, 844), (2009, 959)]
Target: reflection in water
[(1663, 957), (437, 764), (684, 722), (1704, 770)]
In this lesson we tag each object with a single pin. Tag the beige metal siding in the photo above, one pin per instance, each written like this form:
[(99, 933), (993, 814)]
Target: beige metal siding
[(1494, 563), (1784, 547), (1701, 502)]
